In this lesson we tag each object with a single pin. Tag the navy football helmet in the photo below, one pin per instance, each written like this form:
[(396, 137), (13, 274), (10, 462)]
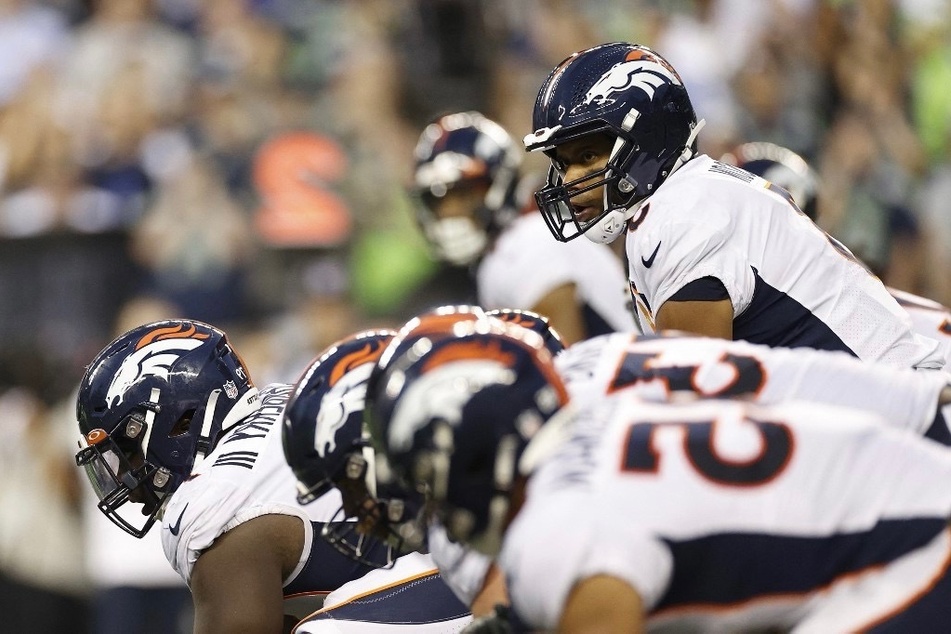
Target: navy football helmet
[(633, 96), (151, 406), (327, 446), (462, 150), (780, 166), (454, 414), (533, 321)]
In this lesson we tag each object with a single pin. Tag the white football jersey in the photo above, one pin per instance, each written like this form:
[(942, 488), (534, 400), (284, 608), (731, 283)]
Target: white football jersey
[(928, 317), (672, 367), (790, 283), (728, 516), (246, 476), (525, 264)]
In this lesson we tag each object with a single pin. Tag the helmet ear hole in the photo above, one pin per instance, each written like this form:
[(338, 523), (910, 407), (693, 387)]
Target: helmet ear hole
[(182, 425)]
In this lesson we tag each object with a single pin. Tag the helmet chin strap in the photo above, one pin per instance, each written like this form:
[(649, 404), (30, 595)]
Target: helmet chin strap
[(612, 224), (204, 440), (688, 152)]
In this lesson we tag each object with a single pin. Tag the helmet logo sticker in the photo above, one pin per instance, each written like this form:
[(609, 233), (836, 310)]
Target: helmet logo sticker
[(646, 74), (154, 359), (369, 353), (346, 396), (441, 393)]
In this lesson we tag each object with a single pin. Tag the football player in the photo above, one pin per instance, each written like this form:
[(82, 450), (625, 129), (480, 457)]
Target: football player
[(327, 446), (328, 449), (706, 514), (465, 183), (711, 249), (176, 432)]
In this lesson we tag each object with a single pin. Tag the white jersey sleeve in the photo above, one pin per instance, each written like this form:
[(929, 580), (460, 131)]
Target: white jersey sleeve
[(928, 318), (672, 367), (246, 476), (526, 264)]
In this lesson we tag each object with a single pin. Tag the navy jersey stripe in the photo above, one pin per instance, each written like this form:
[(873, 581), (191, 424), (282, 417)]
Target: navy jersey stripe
[(425, 599), (775, 319), (731, 568)]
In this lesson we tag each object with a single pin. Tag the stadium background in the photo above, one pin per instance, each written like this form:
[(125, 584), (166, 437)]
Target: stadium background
[(244, 162)]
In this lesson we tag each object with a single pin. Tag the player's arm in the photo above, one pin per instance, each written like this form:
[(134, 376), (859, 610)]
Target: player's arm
[(702, 307), (493, 592), (561, 307), (602, 605), (237, 583)]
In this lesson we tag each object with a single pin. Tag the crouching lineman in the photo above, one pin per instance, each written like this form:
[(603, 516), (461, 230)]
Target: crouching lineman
[(177, 432), (327, 449), (702, 514)]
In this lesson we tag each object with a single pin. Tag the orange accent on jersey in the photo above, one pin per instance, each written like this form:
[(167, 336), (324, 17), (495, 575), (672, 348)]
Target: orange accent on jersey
[(369, 353), (172, 332), (405, 581)]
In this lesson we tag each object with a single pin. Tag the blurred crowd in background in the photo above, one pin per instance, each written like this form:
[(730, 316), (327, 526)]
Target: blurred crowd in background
[(245, 162)]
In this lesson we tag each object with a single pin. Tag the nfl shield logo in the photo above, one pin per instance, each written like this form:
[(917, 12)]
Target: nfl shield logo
[(231, 389)]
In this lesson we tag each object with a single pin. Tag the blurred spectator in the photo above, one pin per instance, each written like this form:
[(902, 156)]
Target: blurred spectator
[(871, 157), (195, 243), (32, 37), (42, 581)]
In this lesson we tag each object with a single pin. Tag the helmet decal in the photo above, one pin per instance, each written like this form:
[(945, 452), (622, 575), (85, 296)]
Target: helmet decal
[(435, 395), (370, 353), (154, 356), (345, 397), (647, 74), (174, 332)]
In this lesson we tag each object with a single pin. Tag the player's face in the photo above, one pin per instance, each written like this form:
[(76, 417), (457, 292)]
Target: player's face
[(579, 159), (459, 202), (357, 502)]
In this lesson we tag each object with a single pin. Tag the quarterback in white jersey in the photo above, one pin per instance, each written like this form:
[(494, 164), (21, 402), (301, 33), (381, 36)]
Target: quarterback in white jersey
[(702, 515), (711, 248)]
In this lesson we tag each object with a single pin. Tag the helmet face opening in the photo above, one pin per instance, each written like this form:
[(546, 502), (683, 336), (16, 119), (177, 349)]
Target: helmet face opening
[(118, 473), (565, 219), (370, 529)]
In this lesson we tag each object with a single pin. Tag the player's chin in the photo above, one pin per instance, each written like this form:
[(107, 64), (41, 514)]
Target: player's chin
[(586, 214)]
